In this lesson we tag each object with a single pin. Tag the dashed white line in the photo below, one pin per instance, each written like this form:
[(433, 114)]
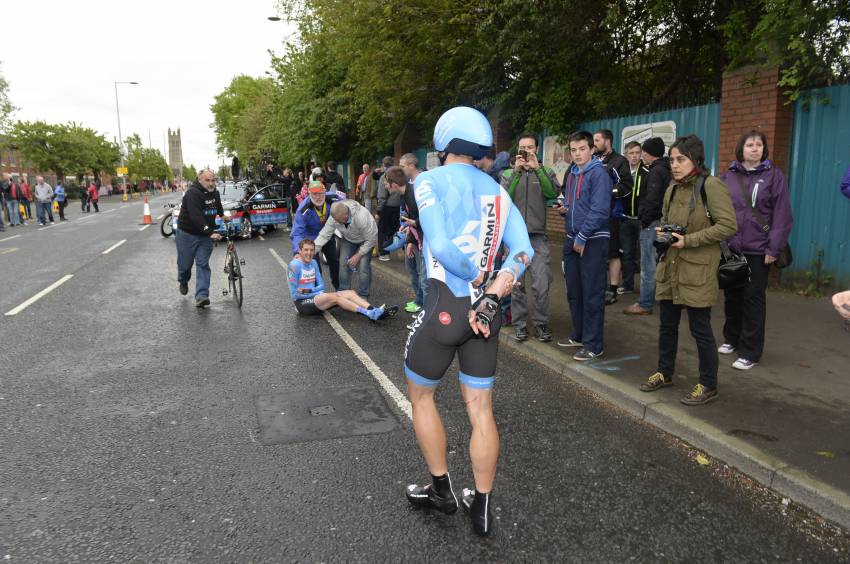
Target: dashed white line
[(124, 206), (113, 247), (8, 238), (157, 218), (112, 210), (390, 388), (8, 250), (45, 227), (85, 217), (39, 295), (145, 227)]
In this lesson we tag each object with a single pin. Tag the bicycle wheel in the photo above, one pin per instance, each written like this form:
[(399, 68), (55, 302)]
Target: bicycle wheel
[(235, 278), (166, 227)]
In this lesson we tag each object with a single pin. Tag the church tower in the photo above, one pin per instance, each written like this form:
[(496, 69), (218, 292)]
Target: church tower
[(175, 154)]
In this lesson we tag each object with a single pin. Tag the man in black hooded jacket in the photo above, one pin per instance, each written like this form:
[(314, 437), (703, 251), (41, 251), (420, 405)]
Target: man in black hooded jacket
[(196, 231)]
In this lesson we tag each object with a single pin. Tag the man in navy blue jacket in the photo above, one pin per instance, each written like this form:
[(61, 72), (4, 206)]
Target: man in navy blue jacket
[(586, 209), (309, 219)]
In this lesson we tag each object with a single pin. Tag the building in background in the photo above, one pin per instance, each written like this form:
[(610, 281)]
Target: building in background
[(175, 154)]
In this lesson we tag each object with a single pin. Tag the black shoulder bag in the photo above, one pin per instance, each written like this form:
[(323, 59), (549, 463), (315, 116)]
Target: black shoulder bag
[(785, 257), (734, 270)]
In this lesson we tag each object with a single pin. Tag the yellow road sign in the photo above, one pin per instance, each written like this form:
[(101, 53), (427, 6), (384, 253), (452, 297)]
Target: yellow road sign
[(121, 170)]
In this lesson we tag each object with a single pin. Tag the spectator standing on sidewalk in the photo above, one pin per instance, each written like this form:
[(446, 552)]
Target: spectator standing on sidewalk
[(12, 193), (333, 180), (530, 185), (364, 192), (762, 203), (27, 198), (84, 198), (845, 183), (359, 236), (388, 212), (4, 188), (686, 274), (618, 167), (196, 231), (59, 192), (93, 197), (655, 183), (44, 200), (586, 210), (398, 182), (629, 223)]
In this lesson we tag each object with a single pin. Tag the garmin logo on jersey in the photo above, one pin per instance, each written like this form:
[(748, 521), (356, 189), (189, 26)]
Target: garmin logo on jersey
[(491, 235)]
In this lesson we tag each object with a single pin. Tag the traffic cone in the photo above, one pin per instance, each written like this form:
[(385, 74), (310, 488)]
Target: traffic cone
[(147, 218)]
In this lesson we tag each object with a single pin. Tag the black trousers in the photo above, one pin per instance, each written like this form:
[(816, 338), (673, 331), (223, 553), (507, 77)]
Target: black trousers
[(62, 205), (331, 253), (629, 238), (387, 226), (699, 319), (746, 312)]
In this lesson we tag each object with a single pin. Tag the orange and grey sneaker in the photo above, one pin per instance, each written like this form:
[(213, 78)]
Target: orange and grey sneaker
[(656, 382), (700, 395)]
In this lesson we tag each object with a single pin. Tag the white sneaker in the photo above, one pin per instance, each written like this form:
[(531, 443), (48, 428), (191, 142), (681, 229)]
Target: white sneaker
[(726, 348), (383, 258), (743, 364)]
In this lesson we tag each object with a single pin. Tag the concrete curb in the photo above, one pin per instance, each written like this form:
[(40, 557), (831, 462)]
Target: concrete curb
[(772, 472)]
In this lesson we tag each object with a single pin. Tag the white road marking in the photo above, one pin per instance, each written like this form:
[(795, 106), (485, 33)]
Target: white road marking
[(86, 217), (7, 251), (8, 238), (157, 218), (45, 227), (112, 210), (39, 295), (145, 227), (113, 247), (261, 238), (390, 388), (124, 206)]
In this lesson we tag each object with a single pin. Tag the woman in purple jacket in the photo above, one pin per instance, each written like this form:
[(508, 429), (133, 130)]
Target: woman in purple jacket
[(845, 183), (763, 208)]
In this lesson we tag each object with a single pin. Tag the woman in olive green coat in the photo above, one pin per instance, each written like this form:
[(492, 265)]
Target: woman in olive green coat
[(686, 277)]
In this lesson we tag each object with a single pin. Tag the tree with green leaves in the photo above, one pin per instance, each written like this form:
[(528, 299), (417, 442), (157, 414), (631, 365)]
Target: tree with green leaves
[(189, 172), (66, 149), (6, 107), (145, 163), (240, 116)]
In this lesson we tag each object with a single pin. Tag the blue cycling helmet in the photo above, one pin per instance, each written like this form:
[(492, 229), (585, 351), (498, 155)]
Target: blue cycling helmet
[(463, 131)]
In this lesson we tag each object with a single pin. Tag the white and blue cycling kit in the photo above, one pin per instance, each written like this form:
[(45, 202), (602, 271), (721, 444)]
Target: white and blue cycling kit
[(465, 217)]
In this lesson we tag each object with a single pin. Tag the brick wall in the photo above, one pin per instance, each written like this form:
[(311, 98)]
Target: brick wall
[(752, 100)]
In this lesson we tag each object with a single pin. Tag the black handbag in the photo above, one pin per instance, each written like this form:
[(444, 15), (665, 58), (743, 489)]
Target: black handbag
[(785, 257), (734, 270)]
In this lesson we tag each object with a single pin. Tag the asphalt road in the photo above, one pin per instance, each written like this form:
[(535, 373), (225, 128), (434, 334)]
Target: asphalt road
[(129, 432)]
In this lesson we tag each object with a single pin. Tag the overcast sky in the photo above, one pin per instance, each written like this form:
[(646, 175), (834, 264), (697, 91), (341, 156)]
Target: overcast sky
[(61, 58)]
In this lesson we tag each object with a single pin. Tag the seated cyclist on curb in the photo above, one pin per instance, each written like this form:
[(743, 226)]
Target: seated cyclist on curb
[(308, 289)]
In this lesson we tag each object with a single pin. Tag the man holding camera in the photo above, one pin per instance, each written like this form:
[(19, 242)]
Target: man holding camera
[(530, 185)]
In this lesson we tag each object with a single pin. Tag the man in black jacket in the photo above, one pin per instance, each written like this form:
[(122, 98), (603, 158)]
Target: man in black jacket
[(657, 180), (333, 181), (400, 182), (616, 165), (196, 232)]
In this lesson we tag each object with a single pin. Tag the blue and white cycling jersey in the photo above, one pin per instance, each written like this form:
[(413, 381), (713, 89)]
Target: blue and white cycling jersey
[(465, 216)]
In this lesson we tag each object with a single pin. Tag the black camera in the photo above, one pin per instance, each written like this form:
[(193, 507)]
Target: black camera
[(664, 237)]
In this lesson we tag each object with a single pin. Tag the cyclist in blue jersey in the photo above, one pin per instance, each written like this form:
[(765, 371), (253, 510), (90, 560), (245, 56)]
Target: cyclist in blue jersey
[(307, 289), (465, 216)]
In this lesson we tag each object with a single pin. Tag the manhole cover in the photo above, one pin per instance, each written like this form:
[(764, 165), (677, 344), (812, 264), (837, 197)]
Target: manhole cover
[(313, 415)]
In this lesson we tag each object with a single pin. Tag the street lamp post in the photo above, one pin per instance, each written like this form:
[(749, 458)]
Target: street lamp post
[(120, 138)]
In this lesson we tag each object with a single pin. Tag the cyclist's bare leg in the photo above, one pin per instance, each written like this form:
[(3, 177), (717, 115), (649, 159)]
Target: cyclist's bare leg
[(429, 428), (484, 442), (346, 299)]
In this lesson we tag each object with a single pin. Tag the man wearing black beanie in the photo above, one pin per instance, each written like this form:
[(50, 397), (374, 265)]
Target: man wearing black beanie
[(649, 213)]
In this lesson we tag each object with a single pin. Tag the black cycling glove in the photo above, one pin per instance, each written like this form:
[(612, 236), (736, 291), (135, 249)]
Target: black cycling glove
[(485, 308)]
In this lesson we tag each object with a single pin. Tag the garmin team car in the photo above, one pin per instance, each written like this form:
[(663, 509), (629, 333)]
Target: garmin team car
[(251, 210)]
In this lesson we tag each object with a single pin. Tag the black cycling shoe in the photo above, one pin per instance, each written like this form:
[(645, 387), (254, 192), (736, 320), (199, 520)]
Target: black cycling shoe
[(389, 311), (478, 508), (427, 497)]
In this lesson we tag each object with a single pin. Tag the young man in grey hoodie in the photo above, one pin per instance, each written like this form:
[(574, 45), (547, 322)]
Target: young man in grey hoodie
[(43, 199)]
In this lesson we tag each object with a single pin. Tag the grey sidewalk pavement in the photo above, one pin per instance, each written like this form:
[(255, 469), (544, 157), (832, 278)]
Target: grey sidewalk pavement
[(785, 423)]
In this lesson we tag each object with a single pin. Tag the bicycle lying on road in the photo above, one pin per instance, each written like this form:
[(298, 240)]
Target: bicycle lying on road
[(232, 265)]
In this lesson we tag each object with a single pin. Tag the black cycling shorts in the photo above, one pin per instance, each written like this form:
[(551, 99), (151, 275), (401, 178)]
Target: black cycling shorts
[(441, 330), (307, 307)]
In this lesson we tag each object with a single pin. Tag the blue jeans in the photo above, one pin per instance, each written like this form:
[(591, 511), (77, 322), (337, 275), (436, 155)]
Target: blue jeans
[(364, 268), (416, 269), (647, 267), (44, 210), (587, 277), (194, 249), (14, 212)]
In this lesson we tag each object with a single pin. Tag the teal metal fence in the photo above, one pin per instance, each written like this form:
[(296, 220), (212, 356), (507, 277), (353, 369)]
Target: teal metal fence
[(704, 121), (820, 153)]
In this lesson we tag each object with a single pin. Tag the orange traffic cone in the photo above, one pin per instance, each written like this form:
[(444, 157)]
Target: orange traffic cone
[(147, 218)]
